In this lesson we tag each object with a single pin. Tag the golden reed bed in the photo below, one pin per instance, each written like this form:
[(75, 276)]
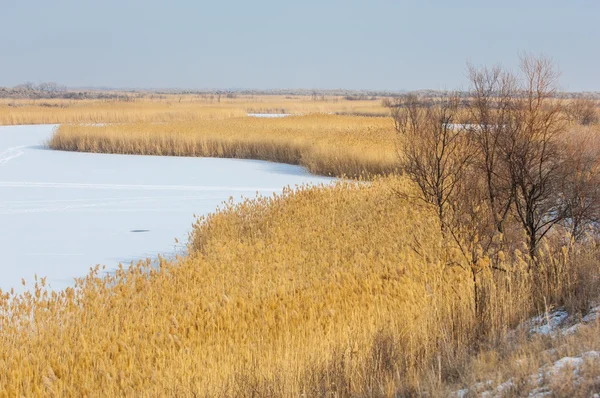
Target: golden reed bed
[(347, 290), (324, 144), (324, 291), (169, 108)]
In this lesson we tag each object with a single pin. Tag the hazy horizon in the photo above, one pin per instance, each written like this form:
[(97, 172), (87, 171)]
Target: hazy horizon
[(269, 45)]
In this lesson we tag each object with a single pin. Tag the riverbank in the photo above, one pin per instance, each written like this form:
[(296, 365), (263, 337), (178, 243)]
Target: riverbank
[(347, 290), (327, 145), (63, 212), (324, 290)]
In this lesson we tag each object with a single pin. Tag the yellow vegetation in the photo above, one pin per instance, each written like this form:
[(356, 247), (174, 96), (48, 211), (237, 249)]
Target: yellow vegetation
[(340, 290), (167, 108), (325, 144), (84, 111), (344, 290)]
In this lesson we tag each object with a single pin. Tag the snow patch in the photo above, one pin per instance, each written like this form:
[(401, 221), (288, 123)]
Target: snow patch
[(592, 315), (555, 323), (548, 323), (538, 380)]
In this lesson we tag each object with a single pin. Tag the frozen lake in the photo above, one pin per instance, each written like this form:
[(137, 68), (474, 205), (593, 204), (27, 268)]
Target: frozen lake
[(63, 212)]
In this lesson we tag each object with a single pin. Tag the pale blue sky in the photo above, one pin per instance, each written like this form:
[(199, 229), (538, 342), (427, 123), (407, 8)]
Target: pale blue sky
[(376, 44)]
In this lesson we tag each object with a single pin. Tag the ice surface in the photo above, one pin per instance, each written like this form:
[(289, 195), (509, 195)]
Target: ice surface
[(63, 212)]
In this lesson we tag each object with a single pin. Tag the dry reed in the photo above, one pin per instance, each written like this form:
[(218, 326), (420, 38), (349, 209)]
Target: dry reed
[(168, 108), (341, 290), (347, 290), (53, 112), (324, 144)]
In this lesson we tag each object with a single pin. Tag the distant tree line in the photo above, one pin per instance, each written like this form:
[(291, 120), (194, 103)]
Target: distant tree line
[(55, 90), (51, 90), (45, 87)]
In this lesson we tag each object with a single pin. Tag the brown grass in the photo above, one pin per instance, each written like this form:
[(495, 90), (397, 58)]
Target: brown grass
[(324, 144)]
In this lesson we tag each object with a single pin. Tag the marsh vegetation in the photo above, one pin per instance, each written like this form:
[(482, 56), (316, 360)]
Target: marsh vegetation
[(470, 214)]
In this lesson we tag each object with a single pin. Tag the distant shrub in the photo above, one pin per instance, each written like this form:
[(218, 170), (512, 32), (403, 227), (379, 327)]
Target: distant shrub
[(583, 111)]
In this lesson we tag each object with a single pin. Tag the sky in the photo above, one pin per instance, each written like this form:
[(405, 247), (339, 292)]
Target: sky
[(311, 44)]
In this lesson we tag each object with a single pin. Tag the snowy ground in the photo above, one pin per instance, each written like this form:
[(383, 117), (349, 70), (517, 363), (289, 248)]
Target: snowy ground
[(63, 212), (554, 324)]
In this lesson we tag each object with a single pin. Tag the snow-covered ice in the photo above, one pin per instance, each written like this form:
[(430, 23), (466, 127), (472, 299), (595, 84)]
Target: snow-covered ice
[(64, 212)]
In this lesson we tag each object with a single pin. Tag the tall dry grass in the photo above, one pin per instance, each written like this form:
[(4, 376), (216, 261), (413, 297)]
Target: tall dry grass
[(168, 108), (92, 111), (154, 107), (303, 105), (346, 290), (324, 144)]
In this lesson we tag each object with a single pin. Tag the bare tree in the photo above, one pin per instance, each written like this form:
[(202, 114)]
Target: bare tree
[(583, 111), (581, 186), (51, 87), (490, 111), (436, 150), (509, 169), (27, 86), (535, 160), (442, 155), (529, 169)]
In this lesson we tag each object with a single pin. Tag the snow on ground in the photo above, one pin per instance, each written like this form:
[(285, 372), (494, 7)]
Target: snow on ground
[(555, 323), (64, 212), (539, 380), (559, 322), (547, 323)]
